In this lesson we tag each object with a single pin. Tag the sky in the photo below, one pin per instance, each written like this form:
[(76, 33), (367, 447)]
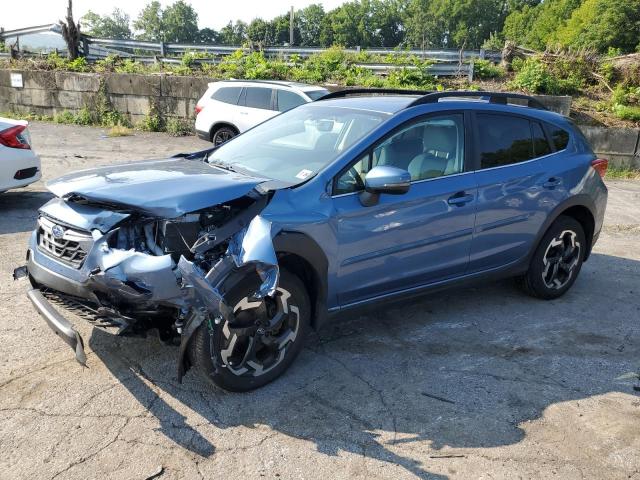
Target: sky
[(211, 13)]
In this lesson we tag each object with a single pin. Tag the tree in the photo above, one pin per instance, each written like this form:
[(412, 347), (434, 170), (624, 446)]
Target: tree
[(422, 29), (233, 34), (260, 32), (280, 27), (309, 21), (149, 23), (603, 24), (177, 23), (71, 33), (115, 25), (180, 23), (387, 16), (208, 35), (537, 27)]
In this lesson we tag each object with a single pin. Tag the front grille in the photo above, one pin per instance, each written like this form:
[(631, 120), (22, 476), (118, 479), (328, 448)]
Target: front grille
[(66, 244)]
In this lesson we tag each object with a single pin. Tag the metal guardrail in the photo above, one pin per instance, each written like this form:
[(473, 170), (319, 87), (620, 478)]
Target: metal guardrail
[(51, 27), (166, 49)]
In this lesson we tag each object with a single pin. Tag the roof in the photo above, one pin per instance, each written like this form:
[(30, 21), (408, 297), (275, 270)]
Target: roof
[(282, 83), (375, 103)]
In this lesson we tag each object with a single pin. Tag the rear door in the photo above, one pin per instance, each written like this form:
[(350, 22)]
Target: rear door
[(519, 181), (256, 105)]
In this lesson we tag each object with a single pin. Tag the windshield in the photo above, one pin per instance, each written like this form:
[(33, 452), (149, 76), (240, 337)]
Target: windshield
[(296, 144), (316, 94)]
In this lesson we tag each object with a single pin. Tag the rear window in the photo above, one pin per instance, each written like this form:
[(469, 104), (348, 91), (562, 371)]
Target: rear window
[(227, 94), (288, 100), (258, 97), (504, 140), (316, 94), (541, 146), (559, 137)]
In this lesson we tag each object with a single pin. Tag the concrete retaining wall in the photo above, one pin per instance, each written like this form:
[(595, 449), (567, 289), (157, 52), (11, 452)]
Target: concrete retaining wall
[(621, 146), (50, 93)]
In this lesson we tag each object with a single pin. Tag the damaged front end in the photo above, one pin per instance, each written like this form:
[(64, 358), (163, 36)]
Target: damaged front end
[(136, 271)]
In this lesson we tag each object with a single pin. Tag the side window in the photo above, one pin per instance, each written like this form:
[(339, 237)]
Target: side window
[(288, 100), (258, 97), (227, 94), (352, 180), (540, 144), (559, 137), (503, 140), (430, 148)]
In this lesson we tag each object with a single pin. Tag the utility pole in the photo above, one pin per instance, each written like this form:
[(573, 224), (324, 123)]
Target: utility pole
[(291, 28)]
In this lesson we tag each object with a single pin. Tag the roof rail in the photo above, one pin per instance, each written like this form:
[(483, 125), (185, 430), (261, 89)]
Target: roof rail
[(372, 91), (491, 97)]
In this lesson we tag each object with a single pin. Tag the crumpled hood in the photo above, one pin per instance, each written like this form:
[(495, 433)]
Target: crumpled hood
[(163, 188)]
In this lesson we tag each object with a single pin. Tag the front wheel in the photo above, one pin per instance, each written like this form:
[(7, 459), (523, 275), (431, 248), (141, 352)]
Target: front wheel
[(557, 261), (266, 337)]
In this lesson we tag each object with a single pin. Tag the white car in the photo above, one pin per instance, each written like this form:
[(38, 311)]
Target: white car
[(19, 165), (230, 107)]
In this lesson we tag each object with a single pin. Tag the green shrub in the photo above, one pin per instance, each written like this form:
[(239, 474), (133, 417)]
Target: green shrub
[(64, 117), (485, 69), (152, 122), (625, 103), (83, 117), (535, 76), (626, 112), (179, 127)]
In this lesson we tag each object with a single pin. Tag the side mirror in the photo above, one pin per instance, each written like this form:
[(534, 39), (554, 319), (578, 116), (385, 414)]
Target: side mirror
[(384, 179)]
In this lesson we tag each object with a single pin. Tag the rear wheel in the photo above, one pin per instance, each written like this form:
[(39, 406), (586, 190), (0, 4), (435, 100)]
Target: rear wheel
[(266, 337), (557, 260), (222, 134)]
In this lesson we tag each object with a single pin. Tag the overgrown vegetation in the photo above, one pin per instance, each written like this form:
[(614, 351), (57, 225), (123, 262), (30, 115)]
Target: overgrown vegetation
[(623, 173)]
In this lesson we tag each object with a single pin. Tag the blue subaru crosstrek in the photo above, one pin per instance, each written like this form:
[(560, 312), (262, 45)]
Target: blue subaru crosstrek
[(236, 252)]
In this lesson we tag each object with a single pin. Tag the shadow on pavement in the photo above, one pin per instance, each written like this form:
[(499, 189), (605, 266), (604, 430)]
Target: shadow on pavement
[(460, 369), (19, 209)]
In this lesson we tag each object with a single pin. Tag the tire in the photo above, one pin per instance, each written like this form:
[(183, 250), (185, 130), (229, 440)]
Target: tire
[(557, 261), (221, 135), (217, 356)]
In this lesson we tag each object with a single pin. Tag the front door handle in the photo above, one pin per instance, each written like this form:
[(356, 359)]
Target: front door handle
[(552, 182), (460, 199)]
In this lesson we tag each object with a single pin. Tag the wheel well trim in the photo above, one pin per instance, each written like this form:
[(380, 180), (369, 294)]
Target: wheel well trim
[(292, 246), (581, 201)]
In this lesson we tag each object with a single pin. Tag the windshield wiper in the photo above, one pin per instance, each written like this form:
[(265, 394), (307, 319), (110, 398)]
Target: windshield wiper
[(222, 165)]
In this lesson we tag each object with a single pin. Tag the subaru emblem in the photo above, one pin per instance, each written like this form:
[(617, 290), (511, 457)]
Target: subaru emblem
[(57, 231)]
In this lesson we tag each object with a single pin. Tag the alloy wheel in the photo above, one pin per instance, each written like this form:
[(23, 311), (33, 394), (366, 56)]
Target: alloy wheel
[(259, 339), (560, 259), (222, 136)]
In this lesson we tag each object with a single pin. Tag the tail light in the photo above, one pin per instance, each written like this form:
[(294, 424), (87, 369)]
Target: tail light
[(600, 165), (15, 137), (198, 109)]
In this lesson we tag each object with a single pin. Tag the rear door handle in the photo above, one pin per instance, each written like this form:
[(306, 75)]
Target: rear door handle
[(552, 182), (460, 199)]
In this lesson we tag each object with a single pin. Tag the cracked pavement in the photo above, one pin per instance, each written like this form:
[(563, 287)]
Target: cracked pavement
[(481, 382)]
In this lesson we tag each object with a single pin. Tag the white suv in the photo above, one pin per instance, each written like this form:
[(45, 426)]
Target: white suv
[(230, 107)]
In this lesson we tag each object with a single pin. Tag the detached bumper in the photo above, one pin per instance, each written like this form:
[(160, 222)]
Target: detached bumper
[(61, 326)]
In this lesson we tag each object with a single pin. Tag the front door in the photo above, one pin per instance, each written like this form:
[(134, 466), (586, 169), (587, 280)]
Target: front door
[(414, 239)]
